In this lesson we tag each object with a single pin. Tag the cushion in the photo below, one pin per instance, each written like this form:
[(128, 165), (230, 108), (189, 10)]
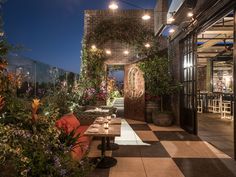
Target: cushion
[(80, 130), (68, 123), (71, 120), (79, 150)]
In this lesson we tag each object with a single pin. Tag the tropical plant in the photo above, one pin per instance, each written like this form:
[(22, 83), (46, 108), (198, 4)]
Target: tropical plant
[(34, 148), (158, 79), (2, 102)]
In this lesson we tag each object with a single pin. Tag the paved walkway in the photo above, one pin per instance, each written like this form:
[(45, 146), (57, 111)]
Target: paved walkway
[(151, 151)]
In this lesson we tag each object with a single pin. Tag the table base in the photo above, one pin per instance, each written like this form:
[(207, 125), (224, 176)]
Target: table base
[(104, 162), (110, 147)]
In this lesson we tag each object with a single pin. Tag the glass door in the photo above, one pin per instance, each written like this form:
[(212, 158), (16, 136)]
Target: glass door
[(188, 97)]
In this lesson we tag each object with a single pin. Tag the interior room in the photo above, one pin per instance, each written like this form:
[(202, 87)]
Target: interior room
[(215, 84)]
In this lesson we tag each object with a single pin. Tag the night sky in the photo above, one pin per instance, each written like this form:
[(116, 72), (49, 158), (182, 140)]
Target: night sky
[(51, 30)]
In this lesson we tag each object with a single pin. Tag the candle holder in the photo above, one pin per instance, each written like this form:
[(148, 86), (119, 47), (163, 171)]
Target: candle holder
[(106, 125), (109, 118)]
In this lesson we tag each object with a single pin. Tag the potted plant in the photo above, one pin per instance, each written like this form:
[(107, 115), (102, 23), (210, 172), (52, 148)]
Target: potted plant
[(159, 85)]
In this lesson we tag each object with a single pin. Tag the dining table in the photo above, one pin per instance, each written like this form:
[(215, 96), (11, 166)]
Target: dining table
[(111, 146), (104, 131)]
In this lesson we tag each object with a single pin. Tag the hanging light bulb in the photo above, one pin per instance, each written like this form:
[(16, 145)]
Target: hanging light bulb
[(94, 47), (113, 5), (146, 17), (126, 52), (147, 45), (108, 52)]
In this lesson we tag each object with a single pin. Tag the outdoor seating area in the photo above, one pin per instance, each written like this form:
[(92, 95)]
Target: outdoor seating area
[(151, 151), (118, 88)]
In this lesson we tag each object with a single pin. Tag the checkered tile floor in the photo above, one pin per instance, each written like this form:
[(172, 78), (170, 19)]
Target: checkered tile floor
[(165, 152)]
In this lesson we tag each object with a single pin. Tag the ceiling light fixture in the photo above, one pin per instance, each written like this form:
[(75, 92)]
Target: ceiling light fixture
[(113, 6), (171, 19), (190, 14), (171, 30)]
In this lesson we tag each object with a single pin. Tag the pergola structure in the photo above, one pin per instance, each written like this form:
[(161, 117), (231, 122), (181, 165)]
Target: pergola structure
[(122, 53)]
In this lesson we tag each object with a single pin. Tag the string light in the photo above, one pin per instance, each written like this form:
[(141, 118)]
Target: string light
[(146, 17), (108, 52), (113, 6), (126, 52), (147, 45), (93, 48)]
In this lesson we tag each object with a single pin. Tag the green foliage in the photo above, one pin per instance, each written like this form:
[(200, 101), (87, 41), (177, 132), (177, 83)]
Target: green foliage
[(157, 76), (112, 95), (34, 148), (118, 29), (15, 110), (69, 139), (126, 30), (61, 102), (92, 72), (158, 79)]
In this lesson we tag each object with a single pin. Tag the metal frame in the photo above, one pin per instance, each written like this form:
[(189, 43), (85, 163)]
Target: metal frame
[(203, 25), (188, 68), (234, 59)]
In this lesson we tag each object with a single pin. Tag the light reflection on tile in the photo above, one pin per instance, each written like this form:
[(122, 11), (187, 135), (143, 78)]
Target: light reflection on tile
[(135, 121), (128, 167), (192, 149), (161, 167), (158, 128), (128, 136)]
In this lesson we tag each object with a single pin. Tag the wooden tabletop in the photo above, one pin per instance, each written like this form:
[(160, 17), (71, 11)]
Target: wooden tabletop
[(112, 131), (115, 121)]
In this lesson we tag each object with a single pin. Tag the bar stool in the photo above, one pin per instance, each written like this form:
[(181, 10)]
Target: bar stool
[(232, 108), (199, 106), (226, 110), (210, 104), (217, 104)]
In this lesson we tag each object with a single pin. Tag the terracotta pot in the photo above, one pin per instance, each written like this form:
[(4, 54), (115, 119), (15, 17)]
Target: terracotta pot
[(162, 119)]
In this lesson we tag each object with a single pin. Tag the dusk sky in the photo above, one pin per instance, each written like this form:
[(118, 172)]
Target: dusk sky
[(52, 30)]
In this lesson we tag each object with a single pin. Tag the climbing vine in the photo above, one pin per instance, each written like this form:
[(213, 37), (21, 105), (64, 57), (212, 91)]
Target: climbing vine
[(128, 31)]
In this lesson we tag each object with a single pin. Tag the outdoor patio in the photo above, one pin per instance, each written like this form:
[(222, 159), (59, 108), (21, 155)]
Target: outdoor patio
[(142, 92), (153, 151)]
